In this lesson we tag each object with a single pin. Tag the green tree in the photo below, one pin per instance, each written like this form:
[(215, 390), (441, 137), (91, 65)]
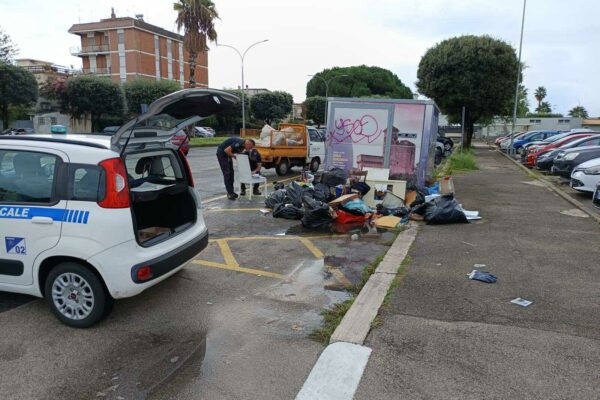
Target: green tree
[(271, 105), (578, 112), (540, 94), (358, 81), (8, 50), (544, 115), (145, 91), (475, 72), (231, 119), (544, 108), (315, 109), (18, 87), (98, 97), (197, 18)]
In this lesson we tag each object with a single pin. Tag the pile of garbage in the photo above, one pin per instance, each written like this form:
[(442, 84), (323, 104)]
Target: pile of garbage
[(269, 136), (336, 201)]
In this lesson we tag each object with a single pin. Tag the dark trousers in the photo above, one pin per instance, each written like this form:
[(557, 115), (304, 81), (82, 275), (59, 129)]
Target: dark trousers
[(226, 165)]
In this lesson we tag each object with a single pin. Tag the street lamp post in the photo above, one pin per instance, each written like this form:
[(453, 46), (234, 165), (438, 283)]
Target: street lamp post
[(514, 118), (327, 89), (242, 56)]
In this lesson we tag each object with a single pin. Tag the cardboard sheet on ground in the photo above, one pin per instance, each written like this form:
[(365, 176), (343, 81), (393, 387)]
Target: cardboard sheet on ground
[(389, 222), (343, 199)]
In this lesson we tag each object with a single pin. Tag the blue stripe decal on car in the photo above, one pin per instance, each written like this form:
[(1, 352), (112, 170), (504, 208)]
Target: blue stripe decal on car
[(57, 214)]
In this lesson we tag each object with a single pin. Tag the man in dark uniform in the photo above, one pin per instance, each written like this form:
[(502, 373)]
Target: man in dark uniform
[(255, 166), (225, 154)]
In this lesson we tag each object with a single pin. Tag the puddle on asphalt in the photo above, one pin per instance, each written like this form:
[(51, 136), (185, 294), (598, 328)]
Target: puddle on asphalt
[(306, 284)]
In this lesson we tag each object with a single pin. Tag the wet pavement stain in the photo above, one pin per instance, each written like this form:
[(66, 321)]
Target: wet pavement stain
[(138, 367)]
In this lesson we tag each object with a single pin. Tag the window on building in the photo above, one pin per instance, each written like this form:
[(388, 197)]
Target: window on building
[(564, 121), (91, 39), (121, 37), (41, 121), (53, 121), (535, 121)]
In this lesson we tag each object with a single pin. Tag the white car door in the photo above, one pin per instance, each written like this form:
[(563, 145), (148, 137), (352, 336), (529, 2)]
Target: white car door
[(316, 145), (31, 214)]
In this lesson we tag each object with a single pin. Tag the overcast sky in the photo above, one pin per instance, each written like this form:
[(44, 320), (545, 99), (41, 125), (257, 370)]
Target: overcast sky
[(560, 44)]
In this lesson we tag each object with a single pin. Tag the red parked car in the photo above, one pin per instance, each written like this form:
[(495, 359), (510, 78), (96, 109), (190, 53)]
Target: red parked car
[(534, 151), (181, 137)]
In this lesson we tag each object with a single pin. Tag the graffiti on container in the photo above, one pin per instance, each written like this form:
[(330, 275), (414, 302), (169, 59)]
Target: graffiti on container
[(355, 130)]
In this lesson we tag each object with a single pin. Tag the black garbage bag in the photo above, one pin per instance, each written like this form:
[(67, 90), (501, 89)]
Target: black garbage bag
[(278, 185), (361, 187), (277, 197), (287, 211), (322, 192), (394, 211), (421, 193), (444, 210), (316, 214), (295, 193), (335, 176)]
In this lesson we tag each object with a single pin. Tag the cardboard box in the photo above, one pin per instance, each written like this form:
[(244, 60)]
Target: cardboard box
[(152, 232)]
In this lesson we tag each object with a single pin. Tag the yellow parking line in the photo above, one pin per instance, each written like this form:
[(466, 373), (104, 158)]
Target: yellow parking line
[(227, 254), (251, 271), (311, 247), (339, 275)]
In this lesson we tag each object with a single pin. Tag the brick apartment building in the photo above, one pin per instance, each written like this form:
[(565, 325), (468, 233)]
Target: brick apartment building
[(129, 48)]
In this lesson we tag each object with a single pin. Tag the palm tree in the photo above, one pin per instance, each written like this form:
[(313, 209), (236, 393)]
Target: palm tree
[(578, 112), (540, 94), (197, 18)]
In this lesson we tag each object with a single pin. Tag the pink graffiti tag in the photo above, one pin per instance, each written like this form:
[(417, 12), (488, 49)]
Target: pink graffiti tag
[(355, 131)]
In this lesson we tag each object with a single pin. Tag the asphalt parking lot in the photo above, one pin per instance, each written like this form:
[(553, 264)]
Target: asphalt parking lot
[(239, 314)]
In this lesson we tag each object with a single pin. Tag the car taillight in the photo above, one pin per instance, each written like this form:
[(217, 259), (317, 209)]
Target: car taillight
[(117, 191), (144, 273), (188, 170)]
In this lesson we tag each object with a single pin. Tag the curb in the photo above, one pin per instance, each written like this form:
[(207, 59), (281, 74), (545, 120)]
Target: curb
[(554, 188), (338, 371), (356, 324)]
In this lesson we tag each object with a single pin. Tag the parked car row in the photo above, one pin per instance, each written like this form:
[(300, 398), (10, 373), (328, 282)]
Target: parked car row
[(573, 155)]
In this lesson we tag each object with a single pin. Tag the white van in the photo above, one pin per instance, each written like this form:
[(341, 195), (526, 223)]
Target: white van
[(86, 219)]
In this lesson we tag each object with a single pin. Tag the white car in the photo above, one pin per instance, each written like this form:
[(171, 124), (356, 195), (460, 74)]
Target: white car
[(203, 132), (85, 219), (586, 176)]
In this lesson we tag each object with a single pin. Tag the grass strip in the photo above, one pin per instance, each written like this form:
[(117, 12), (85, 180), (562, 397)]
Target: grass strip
[(460, 161)]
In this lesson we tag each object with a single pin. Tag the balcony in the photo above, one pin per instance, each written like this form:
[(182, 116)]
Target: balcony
[(97, 71), (89, 50)]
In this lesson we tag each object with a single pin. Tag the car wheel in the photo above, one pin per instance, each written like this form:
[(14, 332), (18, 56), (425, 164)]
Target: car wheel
[(282, 168), (315, 164), (76, 295)]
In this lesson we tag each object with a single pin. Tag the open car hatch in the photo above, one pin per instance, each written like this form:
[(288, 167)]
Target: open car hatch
[(171, 113)]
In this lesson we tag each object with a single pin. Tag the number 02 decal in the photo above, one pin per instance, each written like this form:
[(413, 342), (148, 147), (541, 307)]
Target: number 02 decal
[(15, 245)]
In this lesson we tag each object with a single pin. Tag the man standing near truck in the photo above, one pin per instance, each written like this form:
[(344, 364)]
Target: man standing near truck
[(225, 154)]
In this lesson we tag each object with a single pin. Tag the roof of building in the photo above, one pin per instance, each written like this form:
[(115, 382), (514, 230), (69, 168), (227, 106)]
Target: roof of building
[(32, 61), (123, 22)]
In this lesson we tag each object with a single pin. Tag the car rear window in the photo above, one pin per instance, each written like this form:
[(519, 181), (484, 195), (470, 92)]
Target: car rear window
[(86, 182), (155, 167)]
